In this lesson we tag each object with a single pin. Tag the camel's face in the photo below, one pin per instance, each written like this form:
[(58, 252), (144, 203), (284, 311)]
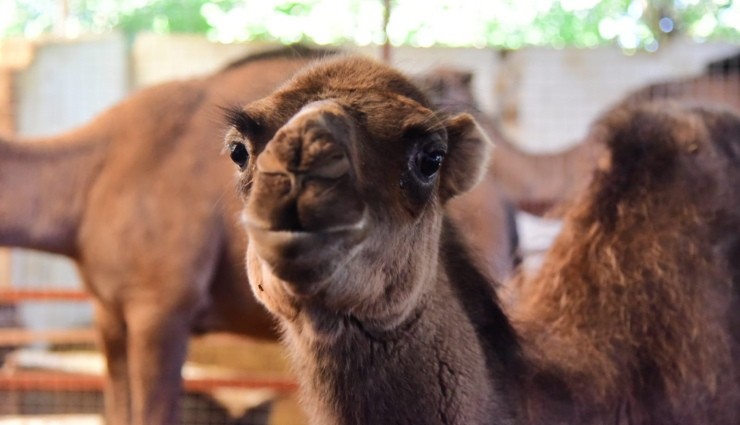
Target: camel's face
[(305, 211), (342, 184)]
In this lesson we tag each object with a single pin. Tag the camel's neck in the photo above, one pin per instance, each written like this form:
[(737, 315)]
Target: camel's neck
[(43, 188), (449, 363), (534, 181), (530, 178), (605, 313)]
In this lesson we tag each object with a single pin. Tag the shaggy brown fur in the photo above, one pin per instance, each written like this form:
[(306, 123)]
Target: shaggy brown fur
[(384, 325), (628, 322), (632, 310), (138, 199)]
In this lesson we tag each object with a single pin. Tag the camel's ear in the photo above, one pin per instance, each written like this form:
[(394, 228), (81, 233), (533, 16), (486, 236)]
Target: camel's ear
[(467, 159)]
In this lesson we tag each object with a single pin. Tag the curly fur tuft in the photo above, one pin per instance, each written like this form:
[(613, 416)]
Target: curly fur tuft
[(631, 307)]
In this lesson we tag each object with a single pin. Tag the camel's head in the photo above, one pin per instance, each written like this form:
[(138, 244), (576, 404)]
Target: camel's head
[(344, 173)]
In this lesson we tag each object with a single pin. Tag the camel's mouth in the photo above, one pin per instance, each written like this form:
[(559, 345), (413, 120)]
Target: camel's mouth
[(293, 239), (300, 257)]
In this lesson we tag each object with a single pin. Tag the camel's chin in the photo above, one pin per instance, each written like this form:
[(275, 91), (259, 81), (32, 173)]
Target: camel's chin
[(304, 259)]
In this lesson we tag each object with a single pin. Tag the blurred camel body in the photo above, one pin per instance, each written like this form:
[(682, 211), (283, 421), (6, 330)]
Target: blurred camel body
[(538, 183), (345, 173), (532, 182), (132, 198), (486, 215), (139, 199)]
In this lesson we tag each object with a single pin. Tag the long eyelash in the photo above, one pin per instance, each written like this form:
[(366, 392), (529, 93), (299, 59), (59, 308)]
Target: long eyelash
[(436, 121), (239, 119), (433, 122)]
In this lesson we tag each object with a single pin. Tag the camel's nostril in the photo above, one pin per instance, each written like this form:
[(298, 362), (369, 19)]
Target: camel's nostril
[(288, 219)]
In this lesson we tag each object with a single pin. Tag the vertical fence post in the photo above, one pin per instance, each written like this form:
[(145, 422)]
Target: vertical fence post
[(386, 18), (14, 55), (7, 126)]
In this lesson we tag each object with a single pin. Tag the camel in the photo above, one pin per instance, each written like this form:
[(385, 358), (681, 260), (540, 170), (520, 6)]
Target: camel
[(543, 184), (719, 83), (161, 254), (449, 89), (345, 172), (724, 66), (535, 183), (635, 308), (137, 199)]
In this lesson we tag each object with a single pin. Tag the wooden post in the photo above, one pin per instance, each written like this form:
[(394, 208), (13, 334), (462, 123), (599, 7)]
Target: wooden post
[(7, 113), (60, 21), (5, 268), (14, 55), (7, 126), (386, 18)]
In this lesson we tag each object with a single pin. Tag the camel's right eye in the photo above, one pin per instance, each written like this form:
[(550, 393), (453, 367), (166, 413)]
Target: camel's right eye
[(428, 163), (239, 154)]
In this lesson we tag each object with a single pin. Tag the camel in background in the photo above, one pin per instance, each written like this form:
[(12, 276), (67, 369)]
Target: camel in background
[(450, 90), (533, 182), (345, 173), (132, 197), (538, 183), (139, 199)]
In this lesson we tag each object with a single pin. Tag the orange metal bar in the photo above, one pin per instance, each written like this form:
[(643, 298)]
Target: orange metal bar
[(49, 381), (12, 296), (14, 336), (57, 381)]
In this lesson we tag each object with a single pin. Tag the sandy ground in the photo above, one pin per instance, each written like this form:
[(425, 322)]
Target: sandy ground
[(53, 420)]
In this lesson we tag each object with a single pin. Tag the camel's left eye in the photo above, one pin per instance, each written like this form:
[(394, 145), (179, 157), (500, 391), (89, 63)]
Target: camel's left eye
[(239, 154), (428, 163)]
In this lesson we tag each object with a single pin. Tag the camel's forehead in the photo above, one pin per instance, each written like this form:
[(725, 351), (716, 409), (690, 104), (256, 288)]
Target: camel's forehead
[(371, 105), (381, 114), (380, 100), (317, 110), (357, 83)]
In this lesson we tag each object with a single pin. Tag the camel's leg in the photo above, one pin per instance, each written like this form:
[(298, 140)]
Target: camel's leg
[(157, 347), (113, 343)]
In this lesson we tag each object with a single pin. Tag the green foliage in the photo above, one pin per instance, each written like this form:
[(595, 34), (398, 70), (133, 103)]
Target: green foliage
[(296, 8), (165, 16), (24, 16), (632, 24)]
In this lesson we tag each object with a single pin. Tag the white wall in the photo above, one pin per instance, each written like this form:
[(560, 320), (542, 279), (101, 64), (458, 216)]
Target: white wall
[(66, 84), (69, 82), (562, 91), (558, 91), (157, 58)]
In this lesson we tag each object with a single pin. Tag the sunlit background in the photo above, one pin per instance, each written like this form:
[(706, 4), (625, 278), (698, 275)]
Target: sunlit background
[(631, 24), (543, 70)]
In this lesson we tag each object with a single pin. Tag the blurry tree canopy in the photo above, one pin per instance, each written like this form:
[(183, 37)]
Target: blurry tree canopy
[(510, 24)]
